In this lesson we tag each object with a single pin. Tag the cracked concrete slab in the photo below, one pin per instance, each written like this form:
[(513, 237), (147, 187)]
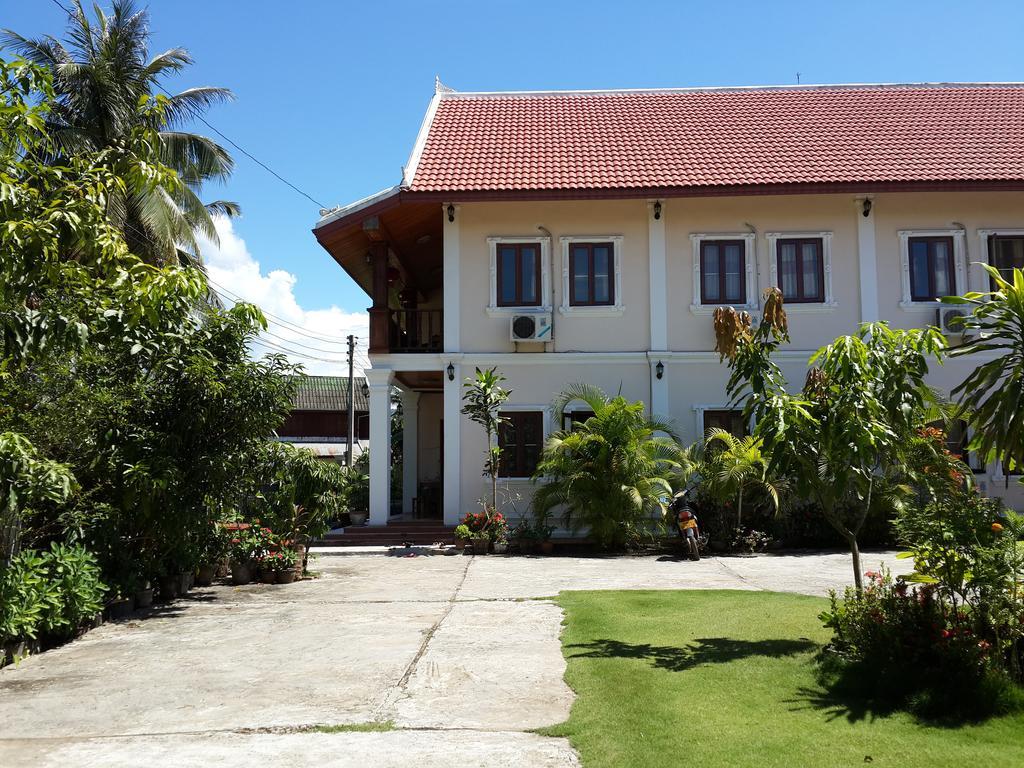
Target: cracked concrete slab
[(491, 665), (451, 649)]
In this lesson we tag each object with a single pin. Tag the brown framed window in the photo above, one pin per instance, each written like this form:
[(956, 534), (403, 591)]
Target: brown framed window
[(1006, 253), (572, 419), (591, 274), (931, 268), (521, 439), (801, 267), (730, 420), (518, 270), (723, 272), (957, 440)]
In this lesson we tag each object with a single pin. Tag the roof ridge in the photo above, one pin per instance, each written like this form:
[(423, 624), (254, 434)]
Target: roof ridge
[(452, 94)]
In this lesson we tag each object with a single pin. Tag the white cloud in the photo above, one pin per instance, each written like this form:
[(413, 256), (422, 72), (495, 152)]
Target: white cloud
[(231, 266)]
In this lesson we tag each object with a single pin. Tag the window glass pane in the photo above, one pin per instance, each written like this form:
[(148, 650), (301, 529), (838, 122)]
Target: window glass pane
[(1007, 254), (580, 274), (812, 289), (528, 257), (507, 271), (787, 270), (733, 273), (602, 274), (729, 420), (919, 286), (709, 263), (941, 262)]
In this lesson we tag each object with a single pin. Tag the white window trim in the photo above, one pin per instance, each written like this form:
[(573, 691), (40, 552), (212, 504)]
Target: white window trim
[(574, 407), (700, 408), (830, 303), (983, 236), (750, 263), (545, 411), (959, 264), (612, 310), (493, 310)]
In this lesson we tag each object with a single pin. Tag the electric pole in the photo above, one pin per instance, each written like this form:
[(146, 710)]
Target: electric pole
[(351, 404)]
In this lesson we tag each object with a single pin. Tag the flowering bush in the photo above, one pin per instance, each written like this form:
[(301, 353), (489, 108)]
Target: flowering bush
[(493, 524), (250, 543), (749, 540), (905, 647), (279, 560)]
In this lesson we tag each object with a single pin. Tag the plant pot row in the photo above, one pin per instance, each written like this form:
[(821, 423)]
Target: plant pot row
[(245, 573)]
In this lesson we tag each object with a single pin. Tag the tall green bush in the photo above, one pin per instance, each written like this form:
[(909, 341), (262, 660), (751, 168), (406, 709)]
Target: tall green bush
[(611, 475)]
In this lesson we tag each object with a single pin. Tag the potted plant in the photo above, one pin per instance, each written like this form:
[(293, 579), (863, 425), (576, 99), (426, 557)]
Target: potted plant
[(120, 607), (547, 546), (284, 565), (462, 535), (241, 551), (481, 542), (358, 497), (500, 546), (144, 594)]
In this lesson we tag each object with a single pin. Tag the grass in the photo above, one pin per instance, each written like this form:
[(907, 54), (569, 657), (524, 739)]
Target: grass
[(716, 678), (372, 727)]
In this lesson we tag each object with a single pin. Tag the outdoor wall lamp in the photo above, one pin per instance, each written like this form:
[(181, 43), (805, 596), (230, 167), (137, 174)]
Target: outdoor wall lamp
[(451, 372), (366, 389), (866, 207), (659, 369), (657, 215), (451, 212)]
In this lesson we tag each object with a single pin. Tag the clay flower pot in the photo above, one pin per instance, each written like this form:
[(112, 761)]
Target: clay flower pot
[(119, 610), (205, 575), (547, 547), (144, 598), (480, 546), (170, 587), (286, 577), (241, 573), (268, 577)]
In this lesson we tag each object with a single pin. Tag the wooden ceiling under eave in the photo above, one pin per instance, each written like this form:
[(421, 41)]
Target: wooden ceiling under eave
[(413, 231)]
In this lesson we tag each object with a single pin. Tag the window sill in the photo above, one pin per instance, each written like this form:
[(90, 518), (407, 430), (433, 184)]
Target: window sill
[(912, 306), (811, 307), (510, 311), (615, 310), (709, 309)]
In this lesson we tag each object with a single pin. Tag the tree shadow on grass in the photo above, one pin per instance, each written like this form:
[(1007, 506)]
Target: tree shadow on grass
[(706, 650)]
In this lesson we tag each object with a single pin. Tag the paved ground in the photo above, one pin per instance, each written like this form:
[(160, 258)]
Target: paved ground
[(450, 650)]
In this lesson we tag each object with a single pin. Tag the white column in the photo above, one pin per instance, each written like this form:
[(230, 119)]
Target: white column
[(379, 381), (867, 258), (658, 263), (450, 279), (452, 480), (659, 276), (410, 448), (659, 387)]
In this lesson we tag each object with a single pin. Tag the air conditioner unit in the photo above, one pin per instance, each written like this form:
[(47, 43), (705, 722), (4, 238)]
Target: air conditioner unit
[(950, 320), (535, 326)]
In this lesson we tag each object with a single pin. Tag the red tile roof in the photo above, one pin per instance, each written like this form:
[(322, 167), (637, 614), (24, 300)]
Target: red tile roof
[(705, 139)]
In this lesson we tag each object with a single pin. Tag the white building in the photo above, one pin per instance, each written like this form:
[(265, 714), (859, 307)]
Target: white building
[(615, 222)]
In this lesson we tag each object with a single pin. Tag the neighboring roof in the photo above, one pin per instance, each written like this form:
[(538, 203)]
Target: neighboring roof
[(328, 393), (718, 139)]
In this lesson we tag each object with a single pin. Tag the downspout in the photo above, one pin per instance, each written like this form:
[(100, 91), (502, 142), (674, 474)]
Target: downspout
[(551, 278), (757, 265)]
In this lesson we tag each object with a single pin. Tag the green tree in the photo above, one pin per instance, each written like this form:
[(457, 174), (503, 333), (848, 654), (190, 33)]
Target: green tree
[(482, 401), (736, 466), (842, 441), (613, 473), (105, 84), (993, 394)]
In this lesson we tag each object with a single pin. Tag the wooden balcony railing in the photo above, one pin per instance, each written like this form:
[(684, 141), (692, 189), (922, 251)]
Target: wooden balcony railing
[(414, 330)]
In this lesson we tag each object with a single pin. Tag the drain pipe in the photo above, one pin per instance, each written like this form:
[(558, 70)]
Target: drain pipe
[(757, 266)]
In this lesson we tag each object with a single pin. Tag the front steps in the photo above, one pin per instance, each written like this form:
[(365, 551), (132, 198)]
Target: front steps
[(394, 534)]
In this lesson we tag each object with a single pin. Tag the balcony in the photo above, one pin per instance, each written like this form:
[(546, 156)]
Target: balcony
[(407, 330)]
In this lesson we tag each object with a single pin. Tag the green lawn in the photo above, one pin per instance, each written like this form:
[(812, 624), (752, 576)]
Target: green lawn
[(727, 679)]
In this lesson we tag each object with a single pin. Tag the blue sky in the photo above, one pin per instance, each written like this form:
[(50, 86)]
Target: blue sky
[(330, 94)]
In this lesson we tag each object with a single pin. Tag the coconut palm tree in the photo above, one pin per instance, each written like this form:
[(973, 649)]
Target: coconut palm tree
[(612, 474), (737, 466), (105, 83)]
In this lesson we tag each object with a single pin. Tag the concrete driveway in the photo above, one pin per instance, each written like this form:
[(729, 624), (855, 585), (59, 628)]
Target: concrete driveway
[(453, 657)]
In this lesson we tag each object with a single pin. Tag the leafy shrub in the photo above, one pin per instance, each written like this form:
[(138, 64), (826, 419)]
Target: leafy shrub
[(904, 647), (50, 593)]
